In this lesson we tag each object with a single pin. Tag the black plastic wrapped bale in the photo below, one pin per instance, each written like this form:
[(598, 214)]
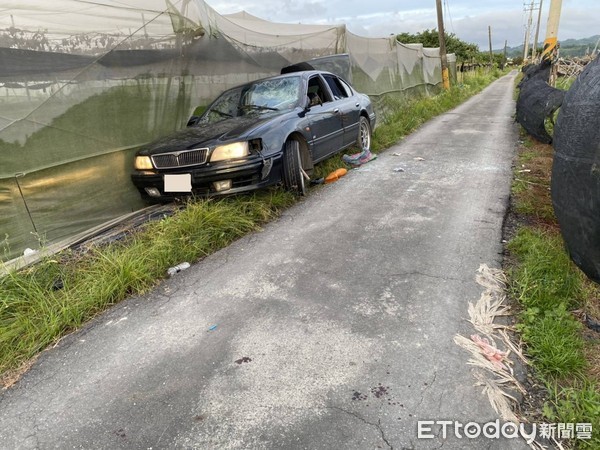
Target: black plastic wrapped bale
[(537, 101), (576, 171), (537, 71)]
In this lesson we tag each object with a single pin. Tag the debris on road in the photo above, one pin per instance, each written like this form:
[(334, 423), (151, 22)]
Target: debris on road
[(358, 159), (494, 355), (499, 380), (335, 175), (244, 359), (418, 158), (178, 268), (398, 169), (212, 327)]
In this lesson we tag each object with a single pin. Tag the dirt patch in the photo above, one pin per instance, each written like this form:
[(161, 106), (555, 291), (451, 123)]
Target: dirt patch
[(592, 354), (12, 376), (531, 188)]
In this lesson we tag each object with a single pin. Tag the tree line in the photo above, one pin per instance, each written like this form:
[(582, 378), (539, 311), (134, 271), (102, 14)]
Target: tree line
[(466, 53)]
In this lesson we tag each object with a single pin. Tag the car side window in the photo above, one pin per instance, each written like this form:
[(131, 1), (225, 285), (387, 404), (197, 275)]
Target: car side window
[(346, 87), (317, 92), (338, 90)]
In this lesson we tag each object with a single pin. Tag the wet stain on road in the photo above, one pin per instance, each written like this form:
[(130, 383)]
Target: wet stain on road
[(243, 360), (358, 396), (380, 392), (121, 433)]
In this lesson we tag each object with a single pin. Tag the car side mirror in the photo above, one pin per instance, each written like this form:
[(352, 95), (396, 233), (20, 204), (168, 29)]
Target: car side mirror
[(193, 121)]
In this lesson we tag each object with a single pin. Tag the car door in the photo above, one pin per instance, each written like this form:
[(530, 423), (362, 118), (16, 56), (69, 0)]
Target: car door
[(348, 105), (324, 119)]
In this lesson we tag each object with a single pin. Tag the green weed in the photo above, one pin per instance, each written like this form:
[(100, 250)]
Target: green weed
[(579, 403), (545, 276), (553, 341)]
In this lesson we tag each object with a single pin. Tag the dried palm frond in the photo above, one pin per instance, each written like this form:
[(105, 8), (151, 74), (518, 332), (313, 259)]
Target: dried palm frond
[(537, 446), (498, 379), (483, 313), (558, 445), (499, 399), (516, 348), (489, 278)]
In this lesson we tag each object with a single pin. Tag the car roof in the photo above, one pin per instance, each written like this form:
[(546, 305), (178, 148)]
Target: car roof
[(302, 73)]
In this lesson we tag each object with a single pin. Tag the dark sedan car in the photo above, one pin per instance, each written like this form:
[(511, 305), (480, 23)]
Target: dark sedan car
[(262, 133)]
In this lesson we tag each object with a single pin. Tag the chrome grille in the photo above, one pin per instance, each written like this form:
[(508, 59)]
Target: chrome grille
[(180, 159)]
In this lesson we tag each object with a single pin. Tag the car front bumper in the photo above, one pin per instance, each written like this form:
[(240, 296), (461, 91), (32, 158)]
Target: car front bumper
[(246, 175)]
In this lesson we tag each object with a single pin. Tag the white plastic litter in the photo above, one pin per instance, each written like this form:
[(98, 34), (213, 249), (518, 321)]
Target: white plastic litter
[(29, 251), (178, 268)]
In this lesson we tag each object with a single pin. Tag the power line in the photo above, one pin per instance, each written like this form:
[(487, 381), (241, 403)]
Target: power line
[(447, 6)]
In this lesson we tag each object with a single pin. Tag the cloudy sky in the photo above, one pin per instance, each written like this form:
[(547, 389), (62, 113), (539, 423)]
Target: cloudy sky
[(468, 19)]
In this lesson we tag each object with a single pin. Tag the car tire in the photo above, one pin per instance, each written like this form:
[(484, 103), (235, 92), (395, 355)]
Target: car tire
[(293, 179), (364, 134)]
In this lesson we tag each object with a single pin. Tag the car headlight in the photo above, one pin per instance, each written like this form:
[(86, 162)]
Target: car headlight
[(230, 151), (143, 163)]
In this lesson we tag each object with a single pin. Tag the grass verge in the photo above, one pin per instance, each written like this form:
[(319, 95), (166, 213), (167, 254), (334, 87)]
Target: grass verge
[(41, 304), (50, 299), (553, 294)]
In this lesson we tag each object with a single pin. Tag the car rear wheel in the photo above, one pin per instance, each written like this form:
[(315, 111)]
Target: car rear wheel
[(293, 177), (364, 134)]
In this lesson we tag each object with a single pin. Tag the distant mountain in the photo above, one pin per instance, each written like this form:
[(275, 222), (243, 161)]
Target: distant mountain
[(568, 47)]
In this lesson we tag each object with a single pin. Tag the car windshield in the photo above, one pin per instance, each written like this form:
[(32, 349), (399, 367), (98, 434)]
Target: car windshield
[(261, 96)]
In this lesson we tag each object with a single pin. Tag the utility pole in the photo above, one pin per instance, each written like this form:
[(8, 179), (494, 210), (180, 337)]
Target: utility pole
[(442, 38), (505, 60), (550, 47), (527, 34), (537, 31), (491, 54), (145, 31)]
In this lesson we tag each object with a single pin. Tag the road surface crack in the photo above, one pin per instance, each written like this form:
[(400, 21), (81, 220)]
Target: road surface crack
[(362, 419), (427, 275), (427, 386)]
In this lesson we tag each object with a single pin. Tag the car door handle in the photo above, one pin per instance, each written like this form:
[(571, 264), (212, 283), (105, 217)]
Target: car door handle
[(357, 104), (336, 110)]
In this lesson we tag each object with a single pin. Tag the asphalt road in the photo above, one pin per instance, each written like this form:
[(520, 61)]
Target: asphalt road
[(334, 325)]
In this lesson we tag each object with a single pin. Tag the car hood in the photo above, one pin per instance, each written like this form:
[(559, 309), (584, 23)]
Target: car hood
[(206, 135)]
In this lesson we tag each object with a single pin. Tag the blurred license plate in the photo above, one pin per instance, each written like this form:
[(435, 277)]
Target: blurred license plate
[(178, 183)]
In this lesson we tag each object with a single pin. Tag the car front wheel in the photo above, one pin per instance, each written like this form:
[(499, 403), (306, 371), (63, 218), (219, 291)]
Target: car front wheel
[(364, 134), (293, 178)]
